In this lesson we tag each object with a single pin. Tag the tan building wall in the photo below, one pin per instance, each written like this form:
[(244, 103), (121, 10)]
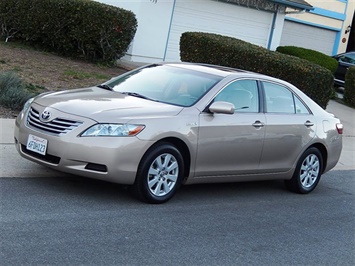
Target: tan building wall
[(335, 15)]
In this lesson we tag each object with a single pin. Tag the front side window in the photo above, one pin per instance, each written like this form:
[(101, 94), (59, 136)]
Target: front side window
[(279, 99), (243, 94)]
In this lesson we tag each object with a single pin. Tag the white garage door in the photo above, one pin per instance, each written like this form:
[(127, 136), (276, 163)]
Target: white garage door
[(244, 23), (310, 37)]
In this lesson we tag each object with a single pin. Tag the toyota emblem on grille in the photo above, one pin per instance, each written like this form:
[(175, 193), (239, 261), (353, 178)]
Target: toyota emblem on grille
[(45, 115)]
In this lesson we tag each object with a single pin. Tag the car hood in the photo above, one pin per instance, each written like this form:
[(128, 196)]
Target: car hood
[(100, 104)]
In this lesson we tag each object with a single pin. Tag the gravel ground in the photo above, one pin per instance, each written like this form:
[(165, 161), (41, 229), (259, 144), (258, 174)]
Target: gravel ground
[(50, 71), (7, 112)]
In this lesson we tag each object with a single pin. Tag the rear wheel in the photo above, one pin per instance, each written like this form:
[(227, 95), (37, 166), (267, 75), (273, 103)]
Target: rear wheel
[(308, 172), (159, 174)]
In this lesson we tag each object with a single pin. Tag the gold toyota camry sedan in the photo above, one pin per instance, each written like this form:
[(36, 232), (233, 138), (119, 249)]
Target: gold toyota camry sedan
[(164, 125)]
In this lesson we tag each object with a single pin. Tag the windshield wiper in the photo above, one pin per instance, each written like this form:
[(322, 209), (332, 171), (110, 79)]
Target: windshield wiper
[(105, 86), (135, 94)]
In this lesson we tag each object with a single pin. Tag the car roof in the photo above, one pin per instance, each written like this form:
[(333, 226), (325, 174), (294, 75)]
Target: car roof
[(207, 68), (221, 71), (349, 52)]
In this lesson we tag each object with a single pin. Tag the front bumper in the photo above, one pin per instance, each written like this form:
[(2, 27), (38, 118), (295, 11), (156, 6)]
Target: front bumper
[(113, 159)]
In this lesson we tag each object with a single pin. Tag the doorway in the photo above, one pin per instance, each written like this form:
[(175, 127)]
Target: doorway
[(351, 42)]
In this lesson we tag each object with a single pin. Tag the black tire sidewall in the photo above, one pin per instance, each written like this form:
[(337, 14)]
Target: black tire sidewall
[(298, 187), (141, 183)]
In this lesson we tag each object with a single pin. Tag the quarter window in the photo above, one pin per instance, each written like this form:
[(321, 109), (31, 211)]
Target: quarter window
[(243, 94), (300, 107)]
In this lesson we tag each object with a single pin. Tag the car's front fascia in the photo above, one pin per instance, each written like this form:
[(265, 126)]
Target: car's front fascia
[(110, 158)]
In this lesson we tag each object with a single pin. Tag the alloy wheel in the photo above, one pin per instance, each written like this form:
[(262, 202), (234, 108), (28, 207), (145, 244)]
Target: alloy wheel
[(309, 170), (163, 174)]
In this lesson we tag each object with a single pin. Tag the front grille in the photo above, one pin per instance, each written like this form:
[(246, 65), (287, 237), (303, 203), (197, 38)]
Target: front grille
[(58, 126)]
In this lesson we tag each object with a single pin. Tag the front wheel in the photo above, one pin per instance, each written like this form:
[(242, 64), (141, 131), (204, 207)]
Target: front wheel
[(159, 174), (308, 172)]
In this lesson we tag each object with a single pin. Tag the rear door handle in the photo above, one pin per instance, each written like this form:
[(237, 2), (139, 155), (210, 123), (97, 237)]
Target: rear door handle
[(308, 123), (257, 124)]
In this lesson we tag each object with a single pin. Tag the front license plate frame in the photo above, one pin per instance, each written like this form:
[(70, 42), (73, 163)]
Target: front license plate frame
[(37, 144)]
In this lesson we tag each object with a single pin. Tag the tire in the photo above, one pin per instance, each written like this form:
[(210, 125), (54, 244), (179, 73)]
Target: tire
[(307, 173), (159, 174)]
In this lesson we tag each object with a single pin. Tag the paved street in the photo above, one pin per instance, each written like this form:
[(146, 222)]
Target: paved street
[(76, 221), (51, 218)]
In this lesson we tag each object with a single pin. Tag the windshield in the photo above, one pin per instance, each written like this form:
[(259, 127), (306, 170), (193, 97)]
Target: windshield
[(164, 83)]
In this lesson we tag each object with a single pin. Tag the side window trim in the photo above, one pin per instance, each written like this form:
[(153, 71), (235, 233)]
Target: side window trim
[(262, 98)]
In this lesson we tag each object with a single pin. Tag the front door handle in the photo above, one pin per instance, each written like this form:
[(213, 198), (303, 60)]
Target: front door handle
[(308, 123), (257, 124)]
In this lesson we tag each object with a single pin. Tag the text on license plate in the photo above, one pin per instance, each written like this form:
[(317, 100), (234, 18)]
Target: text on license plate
[(37, 144)]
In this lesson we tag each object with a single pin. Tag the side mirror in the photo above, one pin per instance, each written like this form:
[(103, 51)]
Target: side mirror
[(222, 108)]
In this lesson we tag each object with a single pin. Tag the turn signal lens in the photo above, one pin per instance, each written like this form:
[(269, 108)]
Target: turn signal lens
[(340, 128)]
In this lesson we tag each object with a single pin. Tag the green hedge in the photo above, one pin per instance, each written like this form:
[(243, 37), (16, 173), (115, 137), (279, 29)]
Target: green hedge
[(80, 28), (349, 92), (310, 55), (312, 79)]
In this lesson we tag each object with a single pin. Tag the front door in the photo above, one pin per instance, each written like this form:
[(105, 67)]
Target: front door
[(231, 144)]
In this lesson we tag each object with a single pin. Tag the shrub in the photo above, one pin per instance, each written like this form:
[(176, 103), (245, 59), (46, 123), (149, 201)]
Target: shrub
[(13, 92), (349, 92), (310, 55), (80, 28), (312, 79)]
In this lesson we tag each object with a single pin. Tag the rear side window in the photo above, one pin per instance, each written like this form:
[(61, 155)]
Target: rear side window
[(281, 100)]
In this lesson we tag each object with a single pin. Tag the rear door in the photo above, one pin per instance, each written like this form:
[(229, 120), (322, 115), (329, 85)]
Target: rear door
[(290, 126)]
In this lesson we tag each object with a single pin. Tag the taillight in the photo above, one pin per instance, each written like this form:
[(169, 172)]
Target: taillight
[(340, 128)]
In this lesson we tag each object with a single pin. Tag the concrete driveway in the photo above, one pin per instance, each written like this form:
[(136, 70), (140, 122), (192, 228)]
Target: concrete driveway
[(347, 117)]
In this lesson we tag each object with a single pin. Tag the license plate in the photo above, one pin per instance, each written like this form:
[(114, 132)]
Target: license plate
[(37, 144)]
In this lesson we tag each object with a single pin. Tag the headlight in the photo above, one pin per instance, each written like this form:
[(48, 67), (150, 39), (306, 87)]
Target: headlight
[(25, 108), (27, 105), (112, 130)]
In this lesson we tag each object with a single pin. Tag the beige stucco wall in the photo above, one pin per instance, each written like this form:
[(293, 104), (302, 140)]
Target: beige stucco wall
[(341, 7), (319, 20)]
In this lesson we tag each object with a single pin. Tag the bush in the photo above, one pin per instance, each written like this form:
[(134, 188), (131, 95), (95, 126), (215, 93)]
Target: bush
[(310, 55), (312, 79), (349, 92), (13, 92), (80, 28)]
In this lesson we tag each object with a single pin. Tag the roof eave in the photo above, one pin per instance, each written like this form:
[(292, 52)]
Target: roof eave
[(294, 5)]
